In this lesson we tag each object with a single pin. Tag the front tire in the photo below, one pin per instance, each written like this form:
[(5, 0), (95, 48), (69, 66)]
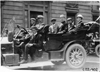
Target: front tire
[(75, 56), (97, 50)]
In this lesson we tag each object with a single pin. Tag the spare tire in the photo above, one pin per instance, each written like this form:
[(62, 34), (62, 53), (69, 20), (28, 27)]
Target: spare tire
[(10, 36)]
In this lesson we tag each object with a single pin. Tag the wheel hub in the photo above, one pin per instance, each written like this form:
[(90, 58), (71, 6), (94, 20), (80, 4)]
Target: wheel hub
[(76, 56)]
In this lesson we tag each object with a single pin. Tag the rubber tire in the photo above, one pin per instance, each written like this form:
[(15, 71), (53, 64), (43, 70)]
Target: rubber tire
[(57, 62), (67, 55), (96, 48)]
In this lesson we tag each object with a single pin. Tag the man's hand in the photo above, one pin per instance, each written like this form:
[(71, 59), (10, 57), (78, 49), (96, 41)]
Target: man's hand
[(30, 44), (71, 31), (61, 32)]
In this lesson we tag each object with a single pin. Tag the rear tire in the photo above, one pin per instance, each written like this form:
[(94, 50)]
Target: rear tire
[(75, 56)]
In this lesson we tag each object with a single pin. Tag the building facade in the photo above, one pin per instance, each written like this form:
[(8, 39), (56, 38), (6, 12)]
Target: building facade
[(24, 10)]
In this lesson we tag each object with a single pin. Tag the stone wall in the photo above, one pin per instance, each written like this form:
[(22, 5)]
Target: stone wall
[(57, 8), (12, 9)]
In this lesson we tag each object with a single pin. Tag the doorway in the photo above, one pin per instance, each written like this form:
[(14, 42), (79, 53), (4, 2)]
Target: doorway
[(34, 14)]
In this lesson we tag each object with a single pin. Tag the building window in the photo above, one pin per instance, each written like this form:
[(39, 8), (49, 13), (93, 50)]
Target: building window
[(95, 17), (95, 8), (95, 12)]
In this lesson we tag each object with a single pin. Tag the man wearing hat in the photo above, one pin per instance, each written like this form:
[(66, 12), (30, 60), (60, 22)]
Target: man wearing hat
[(32, 25), (70, 24), (40, 19), (53, 27), (79, 19), (32, 22), (63, 25), (63, 19), (79, 24)]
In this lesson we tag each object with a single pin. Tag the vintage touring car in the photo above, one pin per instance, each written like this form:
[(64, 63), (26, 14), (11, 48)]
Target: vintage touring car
[(70, 47)]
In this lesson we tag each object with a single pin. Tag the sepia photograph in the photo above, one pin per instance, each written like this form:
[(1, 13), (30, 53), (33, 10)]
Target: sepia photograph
[(50, 35)]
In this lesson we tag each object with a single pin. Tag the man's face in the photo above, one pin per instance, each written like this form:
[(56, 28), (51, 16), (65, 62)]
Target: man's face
[(40, 20), (69, 22), (53, 22), (79, 19), (32, 22)]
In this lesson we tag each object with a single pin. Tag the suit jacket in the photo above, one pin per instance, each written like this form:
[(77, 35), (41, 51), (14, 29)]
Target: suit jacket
[(53, 29), (80, 26), (66, 27)]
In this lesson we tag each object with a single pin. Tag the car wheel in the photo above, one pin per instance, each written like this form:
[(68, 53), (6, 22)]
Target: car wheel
[(75, 56), (97, 50), (57, 62)]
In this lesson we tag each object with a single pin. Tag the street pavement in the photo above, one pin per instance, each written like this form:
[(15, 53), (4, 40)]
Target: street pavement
[(92, 64)]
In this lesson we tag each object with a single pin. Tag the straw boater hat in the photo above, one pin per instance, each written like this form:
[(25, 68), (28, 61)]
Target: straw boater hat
[(40, 16), (80, 16), (69, 19), (62, 15)]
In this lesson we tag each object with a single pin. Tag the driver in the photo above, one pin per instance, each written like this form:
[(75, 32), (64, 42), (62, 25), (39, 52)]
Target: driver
[(32, 42)]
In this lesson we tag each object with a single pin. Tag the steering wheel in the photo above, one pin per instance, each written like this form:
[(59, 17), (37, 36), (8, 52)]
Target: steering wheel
[(21, 29)]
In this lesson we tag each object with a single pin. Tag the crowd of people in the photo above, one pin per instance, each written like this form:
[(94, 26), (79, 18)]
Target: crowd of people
[(54, 28)]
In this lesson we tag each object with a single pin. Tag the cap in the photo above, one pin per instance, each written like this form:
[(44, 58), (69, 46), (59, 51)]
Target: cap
[(80, 16), (69, 19), (53, 19), (33, 19), (62, 15), (40, 16)]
